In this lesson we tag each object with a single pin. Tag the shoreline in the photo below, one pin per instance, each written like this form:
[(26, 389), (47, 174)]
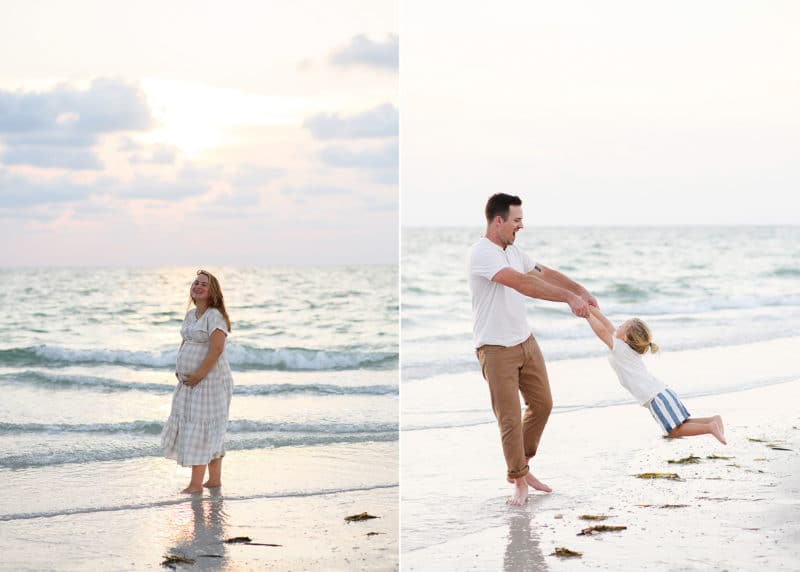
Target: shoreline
[(132, 539), (583, 384), (738, 514), (128, 515)]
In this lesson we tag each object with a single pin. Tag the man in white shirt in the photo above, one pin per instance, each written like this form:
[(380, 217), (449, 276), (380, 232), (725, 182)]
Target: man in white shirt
[(500, 277)]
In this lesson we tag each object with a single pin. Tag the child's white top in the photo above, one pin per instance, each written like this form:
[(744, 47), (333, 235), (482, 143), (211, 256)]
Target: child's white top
[(632, 373)]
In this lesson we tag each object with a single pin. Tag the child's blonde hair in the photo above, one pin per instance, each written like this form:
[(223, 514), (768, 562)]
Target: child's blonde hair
[(639, 338)]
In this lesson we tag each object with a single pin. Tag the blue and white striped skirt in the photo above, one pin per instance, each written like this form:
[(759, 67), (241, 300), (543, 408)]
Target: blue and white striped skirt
[(667, 410)]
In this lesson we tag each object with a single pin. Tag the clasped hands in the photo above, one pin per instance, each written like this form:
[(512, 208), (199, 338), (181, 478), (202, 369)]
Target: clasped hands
[(580, 304)]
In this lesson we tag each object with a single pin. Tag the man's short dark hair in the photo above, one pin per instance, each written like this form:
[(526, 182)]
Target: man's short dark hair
[(498, 205)]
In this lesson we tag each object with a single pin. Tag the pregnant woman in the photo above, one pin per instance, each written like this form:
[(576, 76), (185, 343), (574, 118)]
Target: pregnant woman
[(194, 434)]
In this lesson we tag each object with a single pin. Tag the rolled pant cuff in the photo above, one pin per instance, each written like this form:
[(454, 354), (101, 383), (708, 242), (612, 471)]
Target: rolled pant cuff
[(519, 474)]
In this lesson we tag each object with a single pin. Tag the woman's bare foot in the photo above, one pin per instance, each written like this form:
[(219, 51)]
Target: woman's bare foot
[(520, 495), (192, 490), (535, 483), (718, 419), (210, 485)]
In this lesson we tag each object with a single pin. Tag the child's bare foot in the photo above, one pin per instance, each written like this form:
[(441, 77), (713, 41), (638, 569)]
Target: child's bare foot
[(535, 483), (192, 490), (717, 432), (210, 485), (520, 495)]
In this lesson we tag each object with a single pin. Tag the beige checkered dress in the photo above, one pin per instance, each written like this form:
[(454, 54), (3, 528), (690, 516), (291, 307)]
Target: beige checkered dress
[(195, 431)]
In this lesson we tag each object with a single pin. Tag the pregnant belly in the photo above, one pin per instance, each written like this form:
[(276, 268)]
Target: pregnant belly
[(190, 357)]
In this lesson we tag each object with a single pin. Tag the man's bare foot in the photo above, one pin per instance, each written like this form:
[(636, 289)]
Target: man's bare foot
[(192, 490), (717, 432), (535, 483), (210, 485), (520, 495)]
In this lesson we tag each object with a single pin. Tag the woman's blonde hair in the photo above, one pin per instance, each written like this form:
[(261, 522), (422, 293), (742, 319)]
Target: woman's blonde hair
[(215, 297), (639, 338)]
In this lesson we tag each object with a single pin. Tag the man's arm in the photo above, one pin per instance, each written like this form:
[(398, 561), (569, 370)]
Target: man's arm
[(601, 326), (535, 287), (556, 278)]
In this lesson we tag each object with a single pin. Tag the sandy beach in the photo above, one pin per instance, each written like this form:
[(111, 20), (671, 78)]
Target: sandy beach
[(295, 497), (737, 513)]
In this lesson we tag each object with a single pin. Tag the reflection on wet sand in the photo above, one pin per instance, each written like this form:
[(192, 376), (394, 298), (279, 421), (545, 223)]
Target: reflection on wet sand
[(523, 552), (199, 531)]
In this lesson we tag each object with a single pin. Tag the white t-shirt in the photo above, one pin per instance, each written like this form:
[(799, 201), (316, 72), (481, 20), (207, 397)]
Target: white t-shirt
[(498, 311), (632, 372)]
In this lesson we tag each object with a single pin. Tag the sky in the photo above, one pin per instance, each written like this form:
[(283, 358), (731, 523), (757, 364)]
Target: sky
[(601, 113), (199, 133)]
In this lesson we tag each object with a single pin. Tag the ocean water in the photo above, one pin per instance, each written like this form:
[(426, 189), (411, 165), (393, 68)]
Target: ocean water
[(723, 304), (87, 360), (697, 287)]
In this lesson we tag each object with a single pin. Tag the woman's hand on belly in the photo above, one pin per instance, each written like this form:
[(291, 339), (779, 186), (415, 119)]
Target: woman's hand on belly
[(190, 379)]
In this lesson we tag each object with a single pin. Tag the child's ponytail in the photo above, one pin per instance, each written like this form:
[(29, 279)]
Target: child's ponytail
[(638, 337)]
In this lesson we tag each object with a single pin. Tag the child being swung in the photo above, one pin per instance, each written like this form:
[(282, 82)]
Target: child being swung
[(627, 344)]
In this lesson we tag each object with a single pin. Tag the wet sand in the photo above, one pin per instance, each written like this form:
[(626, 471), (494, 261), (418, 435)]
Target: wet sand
[(741, 513), (295, 497)]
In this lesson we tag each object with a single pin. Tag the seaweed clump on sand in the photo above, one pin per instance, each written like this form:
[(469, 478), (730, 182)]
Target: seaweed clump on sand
[(566, 553), (170, 560), (600, 528), (771, 444), (359, 517), (690, 460), (668, 476), (247, 541), (663, 505)]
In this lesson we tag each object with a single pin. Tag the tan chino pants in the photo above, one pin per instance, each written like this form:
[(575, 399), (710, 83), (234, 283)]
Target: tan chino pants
[(510, 371)]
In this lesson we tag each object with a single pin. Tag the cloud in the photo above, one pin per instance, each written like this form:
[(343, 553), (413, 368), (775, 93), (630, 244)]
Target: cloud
[(383, 206), (387, 176), (254, 176), (232, 189), (338, 156), (158, 154), (152, 188), (238, 205), (20, 192), (363, 52), (59, 127), (380, 162), (382, 121), (50, 139), (129, 144), (17, 192), (108, 105), (192, 180), (60, 157), (313, 190)]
